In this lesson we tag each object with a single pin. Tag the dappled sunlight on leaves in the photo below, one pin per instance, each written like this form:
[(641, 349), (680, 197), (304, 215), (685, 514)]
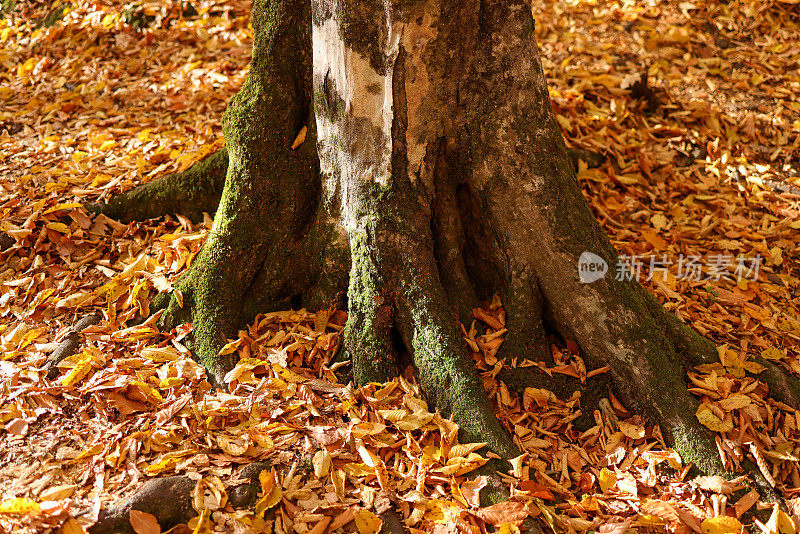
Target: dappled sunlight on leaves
[(700, 160)]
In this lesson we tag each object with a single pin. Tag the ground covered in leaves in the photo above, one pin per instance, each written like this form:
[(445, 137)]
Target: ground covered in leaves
[(693, 105)]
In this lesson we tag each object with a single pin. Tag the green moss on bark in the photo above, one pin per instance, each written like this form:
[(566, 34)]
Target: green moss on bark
[(190, 193)]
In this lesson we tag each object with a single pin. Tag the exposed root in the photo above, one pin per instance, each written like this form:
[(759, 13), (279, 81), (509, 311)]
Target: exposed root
[(368, 333), (447, 372), (272, 191), (169, 499), (229, 284), (6, 241), (693, 348), (392, 523), (697, 350), (68, 344), (190, 193), (526, 337), (782, 386), (244, 494)]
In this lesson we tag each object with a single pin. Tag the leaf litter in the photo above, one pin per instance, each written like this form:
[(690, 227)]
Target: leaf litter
[(693, 108)]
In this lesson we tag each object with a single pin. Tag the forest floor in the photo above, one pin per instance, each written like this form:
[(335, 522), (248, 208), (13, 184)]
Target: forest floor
[(694, 106)]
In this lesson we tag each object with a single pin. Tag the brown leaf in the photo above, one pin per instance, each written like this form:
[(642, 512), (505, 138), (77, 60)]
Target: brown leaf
[(144, 523), (504, 512)]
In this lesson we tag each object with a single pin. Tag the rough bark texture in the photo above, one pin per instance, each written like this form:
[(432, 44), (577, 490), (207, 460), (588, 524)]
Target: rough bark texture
[(432, 175), (427, 104), (170, 500), (271, 239)]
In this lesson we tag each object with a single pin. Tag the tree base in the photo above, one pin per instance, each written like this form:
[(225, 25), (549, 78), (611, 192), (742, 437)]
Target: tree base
[(454, 185)]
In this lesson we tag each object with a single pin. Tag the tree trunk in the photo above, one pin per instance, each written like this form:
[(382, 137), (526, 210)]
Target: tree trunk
[(432, 175)]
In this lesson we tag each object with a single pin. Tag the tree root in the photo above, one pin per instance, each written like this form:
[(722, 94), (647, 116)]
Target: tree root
[(697, 350), (432, 226), (191, 193), (368, 333), (391, 523), (526, 337), (447, 373), (6, 241), (169, 499), (68, 344)]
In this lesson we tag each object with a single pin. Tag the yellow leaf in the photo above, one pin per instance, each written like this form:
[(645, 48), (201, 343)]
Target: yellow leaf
[(415, 421), (441, 511), (358, 469), (24, 69), (77, 373), (393, 415), (231, 445), (780, 522), (386, 390), (56, 493), (773, 353), (58, 227), (367, 522), (508, 528), (288, 375), (649, 520), (590, 503), (273, 492), (146, 390), (109, 20), (91, 451), (564, 122), (160, 354), (338, 478), (659, 221), (631, 430), (721, 525), (75, 300), (30, 336), (63, 206), (708, 419), (203, 523), (753, 367), (464, 449), (607, 479), (165, 464), (461, 466), (19, 506), (230, 348), (367, 457)]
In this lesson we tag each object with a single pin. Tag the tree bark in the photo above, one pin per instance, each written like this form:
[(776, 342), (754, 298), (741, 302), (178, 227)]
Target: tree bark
[(420, 101), (433, 175)]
